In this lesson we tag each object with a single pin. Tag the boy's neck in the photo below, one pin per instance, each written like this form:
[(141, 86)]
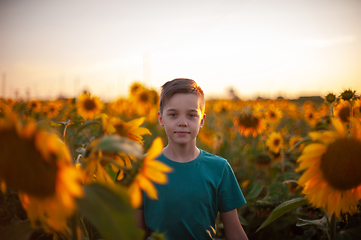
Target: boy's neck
[(181, 153)]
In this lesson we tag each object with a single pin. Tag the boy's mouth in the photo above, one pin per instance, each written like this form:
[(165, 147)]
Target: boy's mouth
[(182, 132)]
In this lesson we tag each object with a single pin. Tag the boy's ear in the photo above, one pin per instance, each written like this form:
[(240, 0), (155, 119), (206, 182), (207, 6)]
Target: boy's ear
[(202, 120), (160, 119)]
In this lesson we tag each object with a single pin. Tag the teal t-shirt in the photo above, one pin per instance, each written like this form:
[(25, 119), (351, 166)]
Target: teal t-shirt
[(196, 191)]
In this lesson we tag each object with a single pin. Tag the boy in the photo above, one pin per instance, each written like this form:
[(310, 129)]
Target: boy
[(200, 185)]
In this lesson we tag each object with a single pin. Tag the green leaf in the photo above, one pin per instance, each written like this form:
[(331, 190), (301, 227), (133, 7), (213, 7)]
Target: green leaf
[(303, 140), (282, 209), (278, 191), (17, 231), (289, 176), (110, 171), (349, 234), (108, 209), (116, 143), (255, 191)]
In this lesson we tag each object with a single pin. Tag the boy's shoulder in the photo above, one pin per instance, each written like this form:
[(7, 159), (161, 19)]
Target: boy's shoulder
[(212, 158)]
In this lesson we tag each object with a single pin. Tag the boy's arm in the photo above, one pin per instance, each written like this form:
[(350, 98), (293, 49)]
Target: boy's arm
[(232, 227), (139, 221)]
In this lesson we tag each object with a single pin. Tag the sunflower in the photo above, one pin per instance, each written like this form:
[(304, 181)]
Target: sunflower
[(263, 161), (124, 161), (37, 164), (222, 106), (135, 88), (310, 116), (34, 106), (147, 97), (93, 166), (151, 170), (131, 129), (330, 98), (295, 139), (347, 94), (51, 110), (274, 142), (323, 111), (97, 158), (89, 106), (331, 165), (248, 123), (343, 111), (273, 115), (308, 105)]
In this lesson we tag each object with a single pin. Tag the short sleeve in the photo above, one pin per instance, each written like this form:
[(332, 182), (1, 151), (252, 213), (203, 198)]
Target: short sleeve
[(230, 195)]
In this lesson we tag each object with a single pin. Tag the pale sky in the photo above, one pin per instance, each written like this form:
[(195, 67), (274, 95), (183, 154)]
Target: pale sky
[(260, 48)]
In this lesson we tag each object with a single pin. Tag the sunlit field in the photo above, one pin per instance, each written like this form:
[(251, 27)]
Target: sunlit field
[(76, 168)]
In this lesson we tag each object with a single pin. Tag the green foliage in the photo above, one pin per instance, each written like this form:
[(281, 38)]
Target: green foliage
[(109, 210), (17, 231), (115, 143), (255, 191), (282, 209), (349, 234)]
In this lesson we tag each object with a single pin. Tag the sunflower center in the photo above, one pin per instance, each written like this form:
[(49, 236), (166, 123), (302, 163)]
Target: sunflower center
[(144, 97), (248, 121), (23, 167), (344, 114), (121, 130), (341, 164), (276, 142), (263, 160), (89, 105)]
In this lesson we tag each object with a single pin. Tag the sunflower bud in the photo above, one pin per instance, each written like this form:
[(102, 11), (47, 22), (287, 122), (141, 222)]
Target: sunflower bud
[(330, 97), (347, 95), (263, 161)]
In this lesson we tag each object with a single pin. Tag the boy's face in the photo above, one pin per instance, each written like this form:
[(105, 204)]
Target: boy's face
[(182, 118)]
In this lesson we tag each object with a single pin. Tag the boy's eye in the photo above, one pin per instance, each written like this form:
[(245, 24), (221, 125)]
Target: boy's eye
[(172, 114), (192, 115)]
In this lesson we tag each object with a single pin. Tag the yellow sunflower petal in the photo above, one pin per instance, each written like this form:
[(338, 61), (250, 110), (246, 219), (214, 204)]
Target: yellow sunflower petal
[(148, 187), (141, 131), (323, 137), (128, 163), (135, 122), (155, 149), (155, 176), (355, 128), (314, 149), (308, 163), (339, 127), (333, 203), (135, 195), (307, 175), (158, 165)]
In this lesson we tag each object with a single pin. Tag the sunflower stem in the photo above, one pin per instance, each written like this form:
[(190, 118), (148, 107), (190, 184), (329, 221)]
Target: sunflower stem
[(64, 133), (263, 139), (333, 226), (282, 161), (73, 227), (351, 115)]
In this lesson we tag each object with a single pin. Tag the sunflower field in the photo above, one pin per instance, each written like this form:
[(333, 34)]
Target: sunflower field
[(76, 168)]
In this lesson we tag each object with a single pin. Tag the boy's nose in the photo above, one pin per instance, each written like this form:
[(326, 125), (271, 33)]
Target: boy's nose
[(182, 122)]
